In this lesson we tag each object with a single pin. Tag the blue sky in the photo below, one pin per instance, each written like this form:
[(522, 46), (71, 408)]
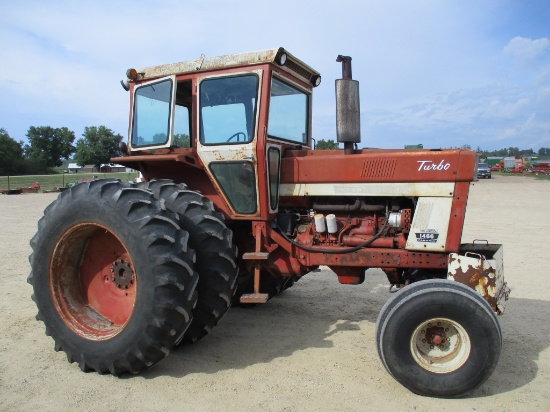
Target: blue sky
[(441, 73)]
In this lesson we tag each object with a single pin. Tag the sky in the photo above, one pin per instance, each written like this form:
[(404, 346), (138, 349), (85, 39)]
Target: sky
[(442, 73)]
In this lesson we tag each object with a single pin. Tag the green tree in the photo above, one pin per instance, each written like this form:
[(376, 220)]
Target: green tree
[(526, 152), (157, 137), (181, 140), (48, 145), (502, 152), (11, 153), (97, 146), (513, 151), (326, 145)]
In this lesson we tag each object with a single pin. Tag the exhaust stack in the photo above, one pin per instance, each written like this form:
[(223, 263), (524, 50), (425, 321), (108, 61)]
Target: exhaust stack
[(348, 124)]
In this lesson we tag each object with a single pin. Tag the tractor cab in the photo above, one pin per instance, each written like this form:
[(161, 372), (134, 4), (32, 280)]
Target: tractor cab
[(226, 120)]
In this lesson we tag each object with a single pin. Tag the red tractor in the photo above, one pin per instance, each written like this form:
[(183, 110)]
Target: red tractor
[(235, 206)]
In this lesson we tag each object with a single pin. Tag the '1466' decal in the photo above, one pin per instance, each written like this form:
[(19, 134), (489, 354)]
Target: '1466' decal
[(427, 236)]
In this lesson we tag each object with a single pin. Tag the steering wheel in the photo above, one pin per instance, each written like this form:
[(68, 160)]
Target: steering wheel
[(238, 137)]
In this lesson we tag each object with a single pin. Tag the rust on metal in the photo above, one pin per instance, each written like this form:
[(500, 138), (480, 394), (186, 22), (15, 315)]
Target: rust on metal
[(435, 335), (382, 258), (256, 256), (254, 298), (205, 64), (122, 274), (93, 294), (257, 297), (479, 266), (346, 66)]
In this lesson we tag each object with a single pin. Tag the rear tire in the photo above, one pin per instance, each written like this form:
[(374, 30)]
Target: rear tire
[(438, 338), (112, 276), (213, 244)]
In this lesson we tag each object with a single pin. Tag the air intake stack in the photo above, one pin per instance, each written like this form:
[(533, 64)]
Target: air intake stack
[(348, 124)]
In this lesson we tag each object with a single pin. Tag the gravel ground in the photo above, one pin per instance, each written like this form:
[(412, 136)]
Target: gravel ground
[(312, 348)]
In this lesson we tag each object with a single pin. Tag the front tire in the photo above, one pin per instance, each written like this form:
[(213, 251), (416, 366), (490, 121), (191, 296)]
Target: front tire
[(438, 338), (112, 276)]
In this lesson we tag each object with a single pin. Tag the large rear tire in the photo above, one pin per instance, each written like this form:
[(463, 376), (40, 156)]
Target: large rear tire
[(113, 277), (213, 244), (438, 338)]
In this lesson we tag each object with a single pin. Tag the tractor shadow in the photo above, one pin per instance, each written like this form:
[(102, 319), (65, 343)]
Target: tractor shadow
[(309, 314), (306, 316), (525, 334)]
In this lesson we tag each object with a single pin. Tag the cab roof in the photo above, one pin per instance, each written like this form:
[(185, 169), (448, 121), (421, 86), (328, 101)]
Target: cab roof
[(292, 65)]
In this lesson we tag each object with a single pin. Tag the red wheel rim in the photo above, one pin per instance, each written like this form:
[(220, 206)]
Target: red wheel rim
[(93, 281)]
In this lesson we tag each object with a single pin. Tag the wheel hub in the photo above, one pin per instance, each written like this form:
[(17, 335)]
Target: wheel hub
[(121, 274), (93, 281), (440, 345), (435, 335)]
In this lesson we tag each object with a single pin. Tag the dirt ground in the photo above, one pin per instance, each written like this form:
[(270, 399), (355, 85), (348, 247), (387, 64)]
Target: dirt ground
[(312, 348)]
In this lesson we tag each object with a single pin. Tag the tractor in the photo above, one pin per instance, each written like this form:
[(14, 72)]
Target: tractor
[(235, 205)]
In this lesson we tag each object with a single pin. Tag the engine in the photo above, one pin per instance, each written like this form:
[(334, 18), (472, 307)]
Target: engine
[(383, 223)]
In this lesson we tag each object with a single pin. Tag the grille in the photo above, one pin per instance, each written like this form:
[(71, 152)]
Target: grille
[(378, 168)]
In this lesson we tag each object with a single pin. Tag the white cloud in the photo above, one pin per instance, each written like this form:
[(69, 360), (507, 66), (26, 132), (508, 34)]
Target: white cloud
[(491, 117), (525, 49)]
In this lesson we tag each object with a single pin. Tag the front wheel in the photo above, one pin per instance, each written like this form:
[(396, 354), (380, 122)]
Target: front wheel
[(438, 338)]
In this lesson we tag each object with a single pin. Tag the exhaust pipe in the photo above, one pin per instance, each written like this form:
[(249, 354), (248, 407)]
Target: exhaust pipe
[(348, 122)]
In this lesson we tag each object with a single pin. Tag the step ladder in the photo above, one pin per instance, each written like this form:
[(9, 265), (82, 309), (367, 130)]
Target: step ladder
[(257, 256)]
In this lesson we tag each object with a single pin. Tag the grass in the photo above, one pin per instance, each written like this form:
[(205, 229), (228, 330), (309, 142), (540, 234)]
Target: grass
[(50, 182), (539, 177)]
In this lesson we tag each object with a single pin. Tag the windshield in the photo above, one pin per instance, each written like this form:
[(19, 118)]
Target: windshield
[(288, 112), (228, 109), (482, 166)]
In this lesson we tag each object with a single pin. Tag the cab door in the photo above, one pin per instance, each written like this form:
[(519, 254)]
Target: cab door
[(228, 119)]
